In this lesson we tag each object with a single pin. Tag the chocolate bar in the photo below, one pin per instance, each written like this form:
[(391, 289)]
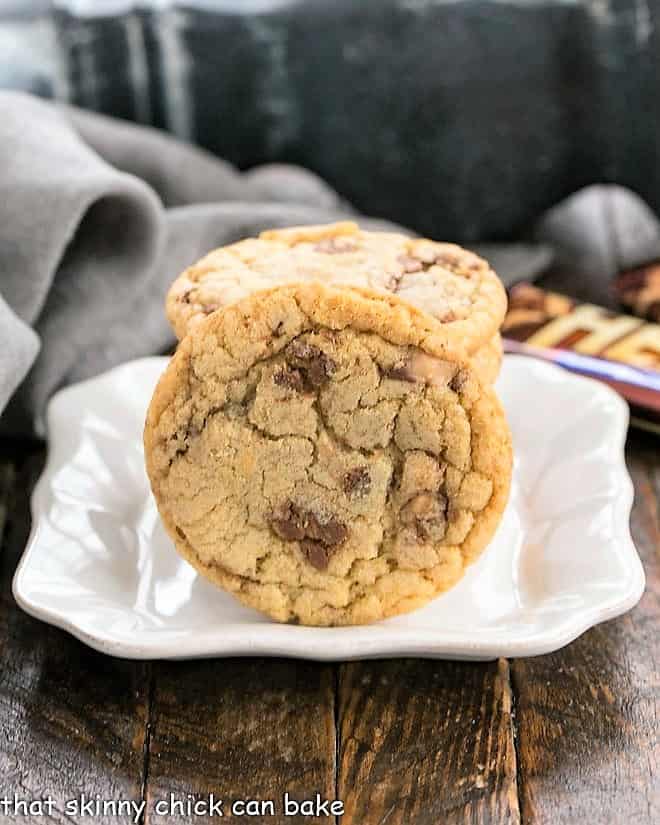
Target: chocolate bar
[(639, 290), (620, 350)]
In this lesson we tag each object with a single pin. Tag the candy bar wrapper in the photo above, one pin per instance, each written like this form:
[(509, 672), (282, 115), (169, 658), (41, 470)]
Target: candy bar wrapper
[(639, 290), (620, 350)]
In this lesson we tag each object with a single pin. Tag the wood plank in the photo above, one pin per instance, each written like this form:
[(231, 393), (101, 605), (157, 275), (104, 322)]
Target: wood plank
[(241, 729), (426, 742), (589, 749), (650, 455), (71, 720), (7, 477)]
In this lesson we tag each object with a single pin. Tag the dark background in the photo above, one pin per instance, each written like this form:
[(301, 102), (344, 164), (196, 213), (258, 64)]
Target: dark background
[(463, 120)]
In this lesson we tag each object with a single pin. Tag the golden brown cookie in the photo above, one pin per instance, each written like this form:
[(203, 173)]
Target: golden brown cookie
[(457, 289), (487, 360), (320, 454)]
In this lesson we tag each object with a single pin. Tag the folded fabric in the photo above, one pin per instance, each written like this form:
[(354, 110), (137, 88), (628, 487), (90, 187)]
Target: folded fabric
[(594, 234), (97, 217)]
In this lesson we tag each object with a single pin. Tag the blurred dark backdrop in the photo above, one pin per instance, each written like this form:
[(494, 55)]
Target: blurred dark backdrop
[(461, 119)]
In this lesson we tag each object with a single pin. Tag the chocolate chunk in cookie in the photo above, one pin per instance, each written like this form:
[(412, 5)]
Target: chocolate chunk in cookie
[(318, 536), (288, 523), (410, 264), (400, 372), (311, 360), (335, 246), (426, 513), (357, 482), (290, 379)]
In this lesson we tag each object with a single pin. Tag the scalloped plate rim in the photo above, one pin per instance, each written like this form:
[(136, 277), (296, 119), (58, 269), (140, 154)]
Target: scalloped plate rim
[(303, 642)]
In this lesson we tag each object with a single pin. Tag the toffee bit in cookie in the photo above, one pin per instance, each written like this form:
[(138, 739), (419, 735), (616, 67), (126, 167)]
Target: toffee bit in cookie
[(458, 382), (335, 246), (357, 482), (428, 255), (318, 536), (447, 259), (431, 370), (410, 264), (394, 282), (400, 372), (447, 317), (317, 366), (181, 534), (426, 513), (289, 379)]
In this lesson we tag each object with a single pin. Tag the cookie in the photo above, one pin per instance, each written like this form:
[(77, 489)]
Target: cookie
[(315, 451), (487, 360), (455, 287)]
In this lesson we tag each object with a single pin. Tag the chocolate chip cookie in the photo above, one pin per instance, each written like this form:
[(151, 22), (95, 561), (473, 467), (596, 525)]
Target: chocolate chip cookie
[(457, 289), (322, 454)]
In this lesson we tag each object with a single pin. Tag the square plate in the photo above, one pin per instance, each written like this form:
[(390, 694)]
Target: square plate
[(99, 564)]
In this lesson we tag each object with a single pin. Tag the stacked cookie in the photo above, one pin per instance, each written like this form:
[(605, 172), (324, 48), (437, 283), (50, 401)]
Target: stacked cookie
[(326, 443), (450, 284)]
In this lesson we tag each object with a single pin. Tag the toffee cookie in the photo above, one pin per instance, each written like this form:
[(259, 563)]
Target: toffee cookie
[(316, 452), (457, 289), (487, 360)]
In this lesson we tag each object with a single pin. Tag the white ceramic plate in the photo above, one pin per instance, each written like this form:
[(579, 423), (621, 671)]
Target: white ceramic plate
[(100, 565)]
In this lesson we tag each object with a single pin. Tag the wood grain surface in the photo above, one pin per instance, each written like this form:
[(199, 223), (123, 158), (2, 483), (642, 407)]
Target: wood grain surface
[(243, 729), (426, 742), (587, 715), (571, 737)]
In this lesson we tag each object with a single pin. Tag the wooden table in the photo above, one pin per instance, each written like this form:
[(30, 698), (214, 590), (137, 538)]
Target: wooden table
[(572, 737)]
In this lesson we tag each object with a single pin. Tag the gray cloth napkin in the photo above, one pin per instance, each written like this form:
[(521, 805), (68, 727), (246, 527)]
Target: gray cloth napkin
[(98, 216)]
